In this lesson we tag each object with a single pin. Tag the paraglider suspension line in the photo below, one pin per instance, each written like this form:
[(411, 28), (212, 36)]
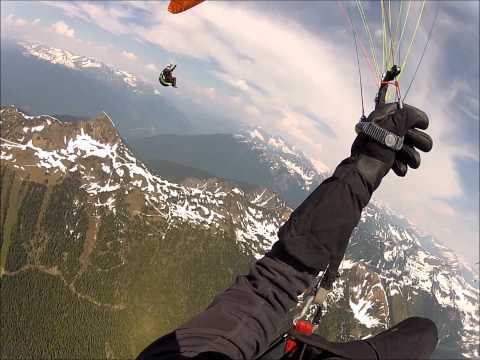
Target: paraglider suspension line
[(397, 87), (359, 73), (423, 52)]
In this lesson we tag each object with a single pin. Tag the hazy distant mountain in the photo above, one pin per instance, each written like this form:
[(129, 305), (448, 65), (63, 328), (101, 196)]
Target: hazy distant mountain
[(252, 157), (41, 79)]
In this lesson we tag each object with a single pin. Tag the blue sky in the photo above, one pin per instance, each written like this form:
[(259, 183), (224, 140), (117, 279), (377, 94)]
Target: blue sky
[(289, 66)]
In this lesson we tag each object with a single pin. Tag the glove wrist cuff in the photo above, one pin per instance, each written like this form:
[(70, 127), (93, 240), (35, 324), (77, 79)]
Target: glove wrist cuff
[(380, 135), (372, 170)]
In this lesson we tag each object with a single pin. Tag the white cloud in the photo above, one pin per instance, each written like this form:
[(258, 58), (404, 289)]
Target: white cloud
[(210, 92), (20, 22), (16, 21), (129, 55), (119, 13), (104, 18), (443, 208), (62, 28), (70, 9), (252, 110), (320, 166), (9, 19), (239, 84), (153, 67), (140, 5), (107, 18), (35, 22)]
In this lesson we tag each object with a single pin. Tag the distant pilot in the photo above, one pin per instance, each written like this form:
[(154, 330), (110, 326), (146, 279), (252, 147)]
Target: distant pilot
[(166, 77)]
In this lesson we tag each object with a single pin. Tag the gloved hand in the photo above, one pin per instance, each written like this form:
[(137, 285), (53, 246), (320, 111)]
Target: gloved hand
[(402, 122)]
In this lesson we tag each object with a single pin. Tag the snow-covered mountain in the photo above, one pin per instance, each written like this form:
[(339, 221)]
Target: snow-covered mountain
[(77, 62), (83, 217), (88, 224), (69, 149), (416, 276), (252, 157), (285, 161)]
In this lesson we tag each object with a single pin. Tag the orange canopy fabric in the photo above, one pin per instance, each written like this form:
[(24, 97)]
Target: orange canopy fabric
[(178, 6)]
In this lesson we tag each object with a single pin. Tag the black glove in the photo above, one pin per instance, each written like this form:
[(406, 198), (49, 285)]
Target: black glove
[(402, 122)]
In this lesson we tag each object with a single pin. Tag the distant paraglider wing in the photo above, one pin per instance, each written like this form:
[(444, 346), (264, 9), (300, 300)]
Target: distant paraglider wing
[(163, 81), (178, 6)]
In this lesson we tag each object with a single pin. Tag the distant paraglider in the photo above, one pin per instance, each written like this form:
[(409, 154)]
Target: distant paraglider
[(166, 77), (175, 6)]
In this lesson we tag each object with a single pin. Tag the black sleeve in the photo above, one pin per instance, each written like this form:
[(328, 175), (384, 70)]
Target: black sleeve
[(244, 319), (317, 233), (241, 321)]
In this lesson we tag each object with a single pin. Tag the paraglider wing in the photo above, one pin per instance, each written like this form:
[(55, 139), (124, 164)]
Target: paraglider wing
[(178, 6), (163, 81)]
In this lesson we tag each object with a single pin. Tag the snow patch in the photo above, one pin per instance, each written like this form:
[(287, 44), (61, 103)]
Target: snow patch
[(360, 312)]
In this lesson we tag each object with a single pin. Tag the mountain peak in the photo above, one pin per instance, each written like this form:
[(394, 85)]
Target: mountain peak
[(53, 133), (92, 153), (283, 158), (74, 61), (101, 128), (258, 134)]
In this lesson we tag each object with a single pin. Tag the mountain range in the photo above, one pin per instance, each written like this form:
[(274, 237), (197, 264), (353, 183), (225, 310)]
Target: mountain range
[(94, 245), (101, 255), (43, 79), (250, 157)]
